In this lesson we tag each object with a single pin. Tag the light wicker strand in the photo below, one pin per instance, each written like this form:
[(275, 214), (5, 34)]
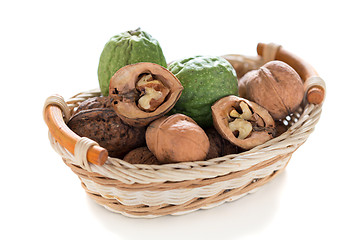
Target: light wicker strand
[(270, 51), (59, 101), (81, 148), (314, 81), (74, 101)]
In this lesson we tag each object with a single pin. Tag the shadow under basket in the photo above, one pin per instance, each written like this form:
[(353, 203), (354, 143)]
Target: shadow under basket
[(148, 191)]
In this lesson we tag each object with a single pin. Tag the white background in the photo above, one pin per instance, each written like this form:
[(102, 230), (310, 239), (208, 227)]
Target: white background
[(49, 47)]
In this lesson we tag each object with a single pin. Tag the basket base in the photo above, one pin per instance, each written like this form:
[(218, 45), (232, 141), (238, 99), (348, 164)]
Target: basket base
[(144, 211)]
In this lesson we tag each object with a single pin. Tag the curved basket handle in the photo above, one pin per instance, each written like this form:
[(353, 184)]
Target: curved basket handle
[(53, 116), (313, 84)]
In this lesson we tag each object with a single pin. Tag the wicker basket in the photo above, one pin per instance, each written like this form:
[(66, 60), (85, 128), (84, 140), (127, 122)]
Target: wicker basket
[(146, 191)]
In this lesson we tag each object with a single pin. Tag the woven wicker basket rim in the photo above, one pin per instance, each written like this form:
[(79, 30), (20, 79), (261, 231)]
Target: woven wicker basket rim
[(302, 124)]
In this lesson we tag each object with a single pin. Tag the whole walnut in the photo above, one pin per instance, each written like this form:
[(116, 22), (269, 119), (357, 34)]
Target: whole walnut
[(141, 155), (108, 130), (218, 145), (177, 138), (275, 86)]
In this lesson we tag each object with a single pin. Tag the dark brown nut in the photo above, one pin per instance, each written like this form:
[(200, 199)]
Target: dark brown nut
[(242, 122), (177, 138), (215, 149), (108, 130), (141, 155), (218, 145), (94, 102), (280, 128), (275, 86), (143, 92)]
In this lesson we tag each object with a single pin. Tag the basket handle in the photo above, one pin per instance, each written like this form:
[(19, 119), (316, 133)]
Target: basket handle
[(54, 119), (313, 84)]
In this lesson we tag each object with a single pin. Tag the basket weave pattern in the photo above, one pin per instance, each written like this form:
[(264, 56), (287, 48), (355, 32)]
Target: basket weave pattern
[(146, 191)]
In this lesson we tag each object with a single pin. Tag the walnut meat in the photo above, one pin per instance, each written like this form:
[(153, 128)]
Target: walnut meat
[(143, 92), (108, 130), (242, 122), (275, 86)]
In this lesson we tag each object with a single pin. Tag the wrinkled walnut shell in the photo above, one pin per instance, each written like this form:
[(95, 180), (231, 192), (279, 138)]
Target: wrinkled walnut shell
[(94, 102), (141, 155), (275, 86), (177, 138), (107, 129), (123, 91), (259, 135), (280, 128), (218, 145)]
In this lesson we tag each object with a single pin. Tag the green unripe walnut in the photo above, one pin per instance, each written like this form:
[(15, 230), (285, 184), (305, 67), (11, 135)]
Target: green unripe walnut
[(205, 80), (124, 49)]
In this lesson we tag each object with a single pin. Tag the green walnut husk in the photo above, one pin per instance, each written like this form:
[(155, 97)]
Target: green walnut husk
[(205, 80), (124, 49)]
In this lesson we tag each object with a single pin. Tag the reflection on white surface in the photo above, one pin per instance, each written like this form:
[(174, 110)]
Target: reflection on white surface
[(245, 216)]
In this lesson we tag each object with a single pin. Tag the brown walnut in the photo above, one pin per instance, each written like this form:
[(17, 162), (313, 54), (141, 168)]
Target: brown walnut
[(108, 130), (94, 102), (280, 128), (275, 86), (141, 155), (143, 92), (242, 122), (218, 145), (177, 138)]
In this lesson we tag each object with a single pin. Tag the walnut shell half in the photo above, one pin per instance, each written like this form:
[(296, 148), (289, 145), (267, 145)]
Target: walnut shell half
[(234, 116), (143, 92)]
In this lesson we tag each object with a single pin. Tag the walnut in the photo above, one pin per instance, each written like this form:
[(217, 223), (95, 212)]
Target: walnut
[(242, 122), (275, 86), (141, 155), (108, 130), (94, 102), (143, 92), (177, 138), (218, 145), (280, 128)]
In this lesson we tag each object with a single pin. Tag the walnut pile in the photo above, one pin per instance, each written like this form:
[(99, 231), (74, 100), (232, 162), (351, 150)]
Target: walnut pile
[(136, 121)]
